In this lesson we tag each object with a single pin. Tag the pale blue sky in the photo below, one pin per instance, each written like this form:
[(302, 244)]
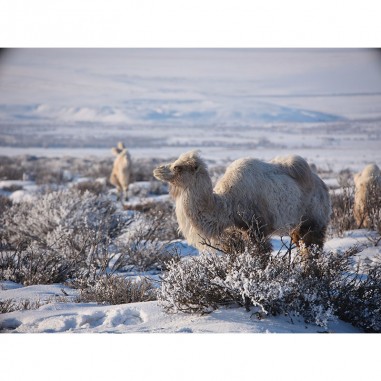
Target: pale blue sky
[(128, 85)]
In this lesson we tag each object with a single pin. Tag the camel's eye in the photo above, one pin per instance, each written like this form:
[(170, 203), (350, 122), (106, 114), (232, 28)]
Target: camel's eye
[(178, 168)]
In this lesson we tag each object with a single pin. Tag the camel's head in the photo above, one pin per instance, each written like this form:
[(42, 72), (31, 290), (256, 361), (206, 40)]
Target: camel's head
[(183, 171), (118, 149)]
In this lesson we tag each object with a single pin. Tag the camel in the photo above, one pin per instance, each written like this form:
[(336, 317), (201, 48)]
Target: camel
[(121, 171), (367, 187), (282, 196)]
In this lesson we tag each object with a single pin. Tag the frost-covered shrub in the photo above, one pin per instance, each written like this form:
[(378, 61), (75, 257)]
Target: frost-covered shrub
[(145, 255), (113, 289), (318, 288), (342, 218), (144, 189), (10, 168), (94, 187), (359, 299), (36, 266), (373, 208), (59, 214), (96, 169), (143, 168), (162, 220), (10, 305), (58, 235), (5, 203), (203, 283), (149, 246)]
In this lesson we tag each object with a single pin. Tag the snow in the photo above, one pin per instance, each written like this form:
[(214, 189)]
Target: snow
[(150, 317)]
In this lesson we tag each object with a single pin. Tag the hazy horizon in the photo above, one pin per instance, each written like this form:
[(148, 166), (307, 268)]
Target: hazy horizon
[(212, 86)]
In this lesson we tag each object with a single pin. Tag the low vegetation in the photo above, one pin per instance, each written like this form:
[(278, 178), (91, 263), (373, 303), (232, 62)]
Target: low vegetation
[(319, 288), (78, 237), (75, 234)]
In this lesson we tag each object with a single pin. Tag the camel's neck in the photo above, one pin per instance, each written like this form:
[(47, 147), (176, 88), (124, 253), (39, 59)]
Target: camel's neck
[(200, 212)]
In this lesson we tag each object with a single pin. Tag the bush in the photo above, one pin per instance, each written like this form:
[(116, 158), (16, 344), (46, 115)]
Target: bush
[(113, 289), (358, 300), (5, 204), (36, 266), (142, 169), (10, 305), (372, 209), (342, 218), (149, 247), (93, 187), (97, 169), (319, 287), (60, 234), (10, 169)]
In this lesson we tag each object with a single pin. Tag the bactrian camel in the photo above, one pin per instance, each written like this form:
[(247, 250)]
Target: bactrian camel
[(121, 171), (282, 196)]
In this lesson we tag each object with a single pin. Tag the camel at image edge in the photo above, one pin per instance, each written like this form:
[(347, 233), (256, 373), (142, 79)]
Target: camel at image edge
[(121, 172), (367, 187), (283, 196)]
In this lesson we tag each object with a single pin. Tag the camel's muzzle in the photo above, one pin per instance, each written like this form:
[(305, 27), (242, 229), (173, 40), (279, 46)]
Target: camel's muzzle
[(163, 173)]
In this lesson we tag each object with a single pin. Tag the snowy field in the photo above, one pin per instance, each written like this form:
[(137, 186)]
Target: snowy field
[(324, 105), (149, 316)]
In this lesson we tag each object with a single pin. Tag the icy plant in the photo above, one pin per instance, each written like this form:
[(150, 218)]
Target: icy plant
[(342, 218), (359, 299), (149, 246), (10, 168), (113, 289), (58, 235), (92, 186), (10, 305), (5, 203), (319, 288), (373, 209)]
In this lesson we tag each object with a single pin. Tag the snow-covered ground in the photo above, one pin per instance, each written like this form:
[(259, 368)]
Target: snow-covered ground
[(57, 316)]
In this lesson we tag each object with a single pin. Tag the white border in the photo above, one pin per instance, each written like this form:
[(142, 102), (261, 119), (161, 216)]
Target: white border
[(190, 23)]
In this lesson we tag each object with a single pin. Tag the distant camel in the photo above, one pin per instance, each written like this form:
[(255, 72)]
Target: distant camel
[(367, 186), (121, 171), (283, 196)]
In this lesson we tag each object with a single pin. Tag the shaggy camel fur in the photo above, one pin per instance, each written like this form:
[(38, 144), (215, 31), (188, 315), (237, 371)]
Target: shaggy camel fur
[(121, 171), (282, 196), (367, 184)]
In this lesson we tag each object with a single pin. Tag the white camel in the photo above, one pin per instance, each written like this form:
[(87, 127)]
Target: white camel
[(121, 171), (367, 186), (283, 196)]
